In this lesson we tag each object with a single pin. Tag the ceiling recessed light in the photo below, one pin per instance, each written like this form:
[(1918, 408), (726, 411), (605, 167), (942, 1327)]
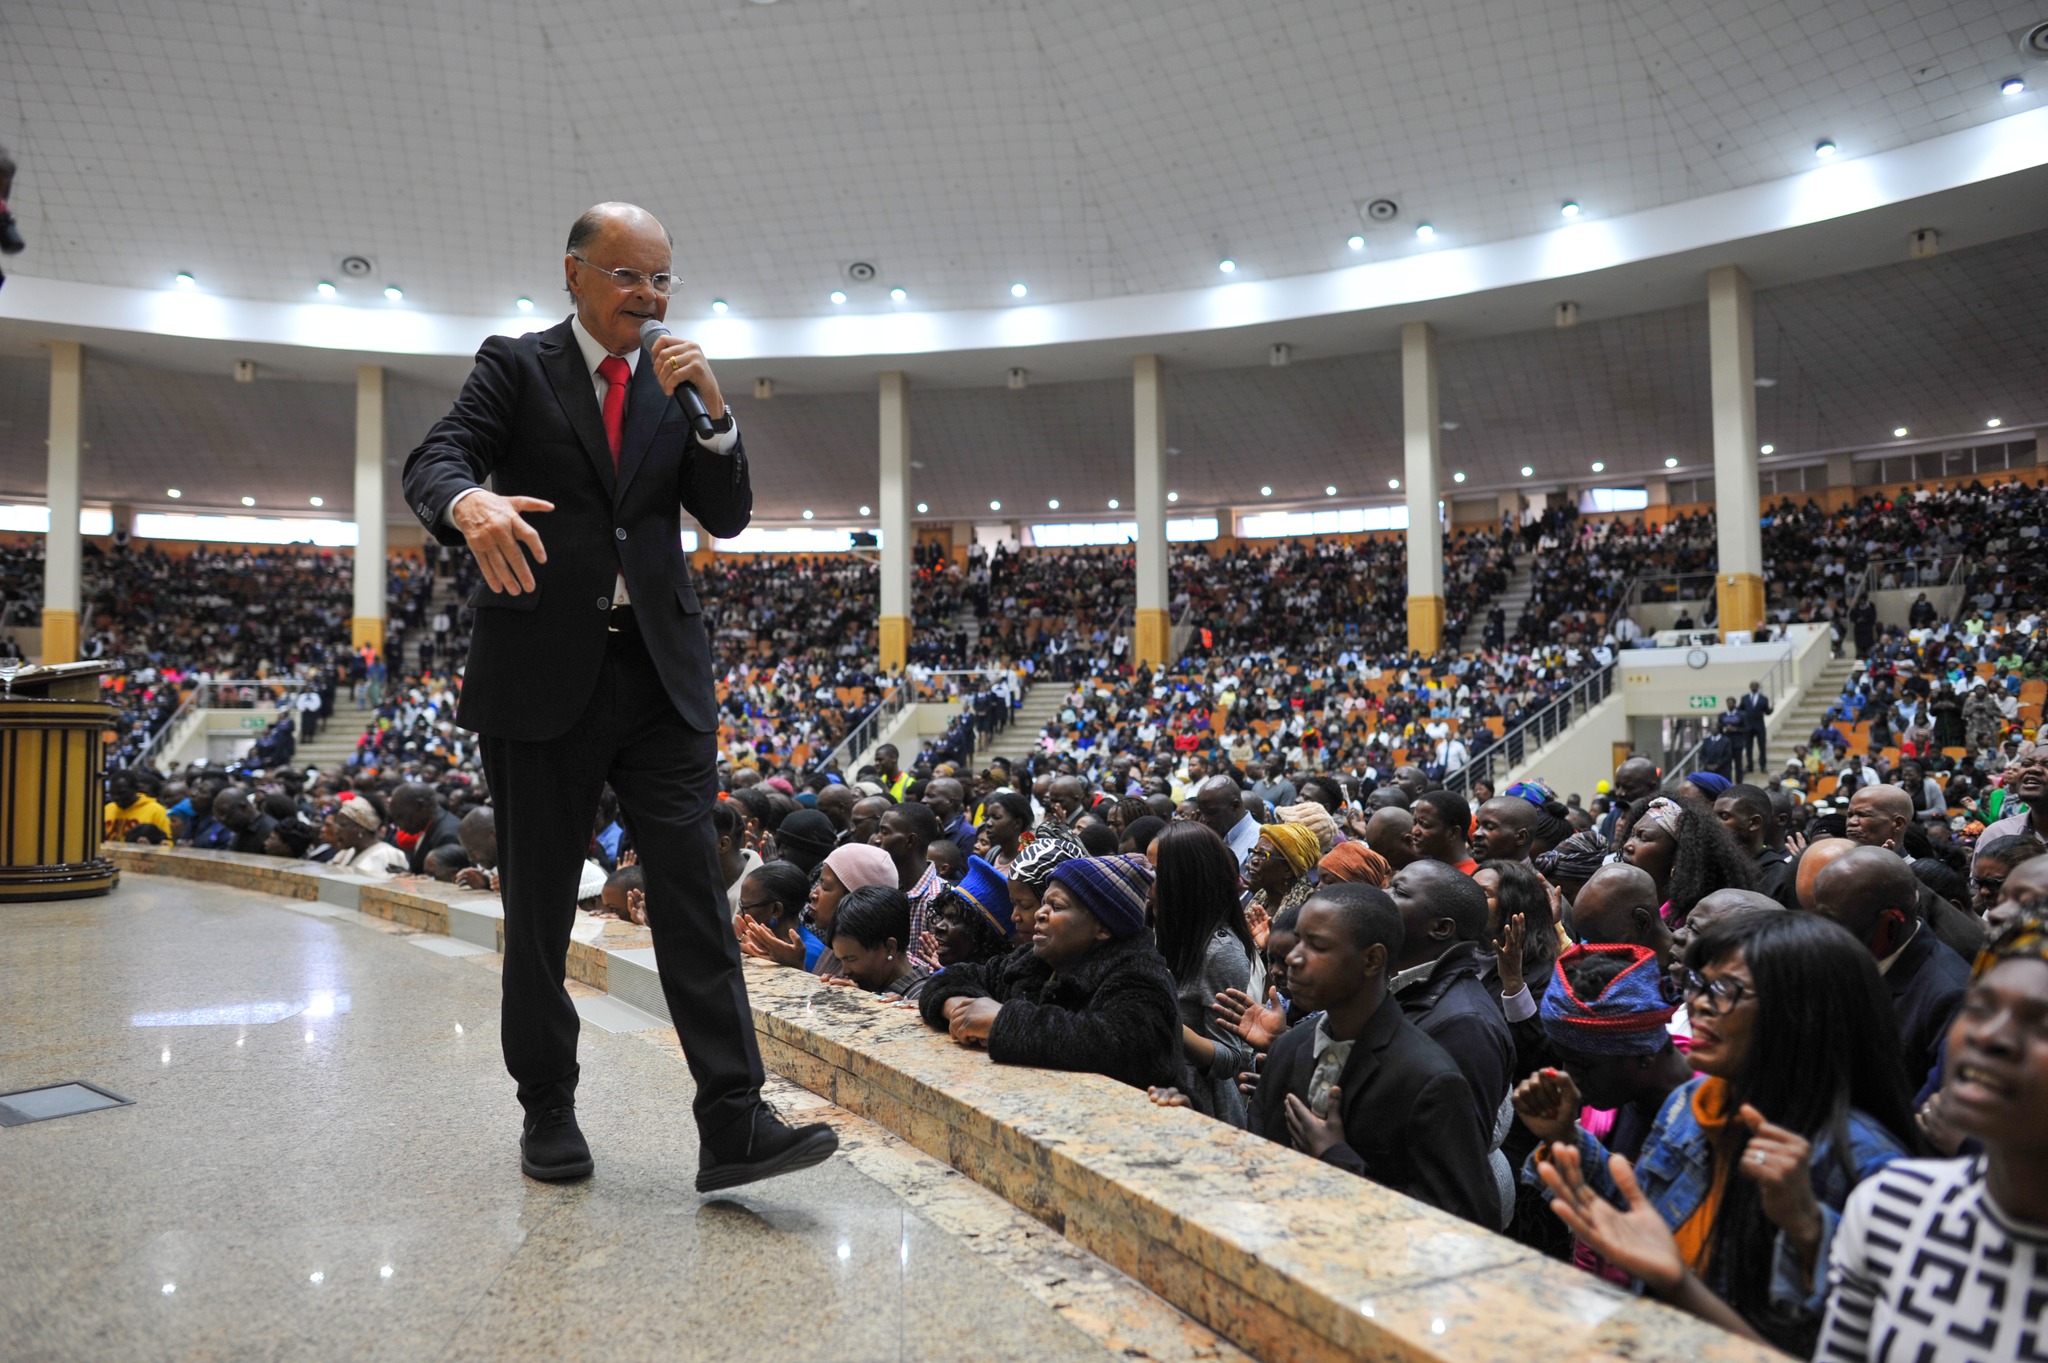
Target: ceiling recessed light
[(1762, 382), (1898, 432), (807, 515), (523, 304), (1823, 149), (1265, 492), (1330, 491), (1227, 265), (1447, 425), (1458, 477), (1994, 423), (1767, 449), (995, 506), (838, 296), (1670, 463), (1356, 243), (922, 508), (1052, 504), (1173, 496), (248, 501), (2012, 85), (185, 280), (173, 493), (1393, 482), (324, 289), (865, 512), (1570, 209), (393, 292), (898, 295), (720, 306), (1018, 291), (1528, 472), (1599, 467), (316, 501), (1425, 232), (1112, 504)]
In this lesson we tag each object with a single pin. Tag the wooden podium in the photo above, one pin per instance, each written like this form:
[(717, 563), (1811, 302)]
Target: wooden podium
[(52, 791)]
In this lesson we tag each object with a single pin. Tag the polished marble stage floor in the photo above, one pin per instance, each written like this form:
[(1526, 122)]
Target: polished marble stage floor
[(320, 1163)]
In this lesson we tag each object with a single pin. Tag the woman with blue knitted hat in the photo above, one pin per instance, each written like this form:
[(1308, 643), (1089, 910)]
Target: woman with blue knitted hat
[(971, 922), (1088, 992)]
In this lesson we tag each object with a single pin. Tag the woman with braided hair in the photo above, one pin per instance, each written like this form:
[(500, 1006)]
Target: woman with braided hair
[(1687, 851)]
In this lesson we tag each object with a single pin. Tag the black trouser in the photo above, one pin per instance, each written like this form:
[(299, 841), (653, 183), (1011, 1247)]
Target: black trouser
[(545, 796)]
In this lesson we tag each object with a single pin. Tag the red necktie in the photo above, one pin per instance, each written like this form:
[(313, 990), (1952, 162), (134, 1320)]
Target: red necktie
[(613, 371)]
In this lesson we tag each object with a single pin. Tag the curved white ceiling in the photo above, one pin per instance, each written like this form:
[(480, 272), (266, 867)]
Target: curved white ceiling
[(1108, 156)]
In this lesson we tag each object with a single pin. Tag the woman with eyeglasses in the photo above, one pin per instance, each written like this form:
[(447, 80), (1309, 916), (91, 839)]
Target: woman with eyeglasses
[(1799, 1094)]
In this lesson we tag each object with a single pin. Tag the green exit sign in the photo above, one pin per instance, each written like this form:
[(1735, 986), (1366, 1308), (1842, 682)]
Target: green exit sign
[(1705, 702), (252, 722)]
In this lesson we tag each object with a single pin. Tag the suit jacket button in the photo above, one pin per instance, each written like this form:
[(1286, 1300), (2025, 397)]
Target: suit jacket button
[(619, 533), (604, 603)]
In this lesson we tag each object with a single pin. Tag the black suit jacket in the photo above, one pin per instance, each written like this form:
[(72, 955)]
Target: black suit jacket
[(1927, 983), (445, 829), (528, 420), (1409, 1120)]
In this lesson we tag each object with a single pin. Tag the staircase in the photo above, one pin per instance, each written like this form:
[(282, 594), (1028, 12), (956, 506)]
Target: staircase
[(1791, 726), (1041, 703), (1512, 599), (337, 740)]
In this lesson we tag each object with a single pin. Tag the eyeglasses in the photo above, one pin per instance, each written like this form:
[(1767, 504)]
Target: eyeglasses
[(1726, 992), (628, 281), (1990, 885)]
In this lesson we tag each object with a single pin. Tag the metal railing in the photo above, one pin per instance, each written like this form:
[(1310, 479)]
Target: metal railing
[(1778, 683), (223, 693), (862, 734), (1492, 763)]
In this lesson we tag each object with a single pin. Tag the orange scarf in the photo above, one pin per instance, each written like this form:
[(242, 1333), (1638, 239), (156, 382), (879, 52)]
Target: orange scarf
[(1695, 1235)]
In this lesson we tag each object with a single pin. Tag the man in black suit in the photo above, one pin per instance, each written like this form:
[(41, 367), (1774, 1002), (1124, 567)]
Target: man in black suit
[(1361, 1086), (590, 663), (421, 823), (1755, 709)]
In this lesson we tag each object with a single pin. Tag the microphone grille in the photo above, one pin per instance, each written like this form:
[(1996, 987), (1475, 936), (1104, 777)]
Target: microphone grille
[(651, 329)]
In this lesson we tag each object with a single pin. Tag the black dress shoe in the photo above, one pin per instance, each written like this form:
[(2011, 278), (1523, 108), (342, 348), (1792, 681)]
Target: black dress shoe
[(552, 1147), (762, 1147)]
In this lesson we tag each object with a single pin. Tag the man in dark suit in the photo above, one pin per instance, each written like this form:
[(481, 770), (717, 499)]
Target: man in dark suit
[(590, 663), (1755, 709), (1361, 1086), (421, 824), (1871, 892)]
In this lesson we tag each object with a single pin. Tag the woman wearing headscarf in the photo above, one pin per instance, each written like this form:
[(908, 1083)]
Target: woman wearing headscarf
[(1688, 852), (1353, 861), (1276, 872), (1032, 871), (846, 868)]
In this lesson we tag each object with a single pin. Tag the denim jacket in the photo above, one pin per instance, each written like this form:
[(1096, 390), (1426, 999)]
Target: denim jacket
[(1676, 1169)]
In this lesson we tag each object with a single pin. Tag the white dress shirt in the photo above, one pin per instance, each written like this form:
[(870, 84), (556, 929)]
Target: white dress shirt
[(594, 354)]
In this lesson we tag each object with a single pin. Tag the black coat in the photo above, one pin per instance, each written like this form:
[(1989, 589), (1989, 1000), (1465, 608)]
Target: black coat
[(445, 828), (1776, 876), (1408, 1114), (1115, 1013), (1454, 1008), (1927, 981), (528, 420)]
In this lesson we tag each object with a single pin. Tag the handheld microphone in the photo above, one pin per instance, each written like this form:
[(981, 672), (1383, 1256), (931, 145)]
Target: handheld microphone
[(651, 331)]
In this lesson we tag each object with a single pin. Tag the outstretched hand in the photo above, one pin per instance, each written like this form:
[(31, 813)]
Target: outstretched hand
[(501, 538), (1257, 1025), (1636, 1241), (1509, 948)]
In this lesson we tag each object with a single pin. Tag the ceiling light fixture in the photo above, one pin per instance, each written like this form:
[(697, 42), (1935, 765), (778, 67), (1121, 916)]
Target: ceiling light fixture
[(1670, 463), (1823, 149), (1393, 482), (1018, 291), (324, 289), (1227, 265), (1768, 449), (1528, 472), (393, 292), (995, 506), (1265, 492), (523, 304), (173, 493), (720, 306), (248, 501), (807, 515), (2012, 85), (1052, 504), (1898, 432), (1994, 423), (1599, 467), (865, 512), (316, 501), (897, 295), (1112, 504), (1458, 477), (1330, 491), (1570, 209), (922, 508), (1356, 243), (1424, 232), (838, 296), (184, 280)]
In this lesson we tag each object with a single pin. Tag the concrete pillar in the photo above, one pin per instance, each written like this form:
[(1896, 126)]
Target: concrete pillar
[(367, 624), (1731, 348), (963, 540), (1154, 644), (1421, 433), (1659, 489), (63, 550), (895, 509), (123, 516), (1509, 503)]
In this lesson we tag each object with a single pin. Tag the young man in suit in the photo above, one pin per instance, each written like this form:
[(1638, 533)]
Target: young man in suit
[(1360, 1086), (590, 664)]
